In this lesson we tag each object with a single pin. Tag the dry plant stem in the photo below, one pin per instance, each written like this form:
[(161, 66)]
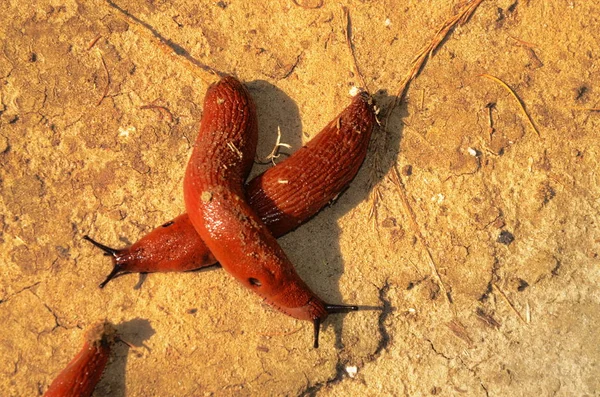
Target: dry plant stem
[(348, 34), (275, 152), (514, 95), (510, 303), (426, 52), (94, 41), (418, 63), (107, 82), (397, 180), (523, 43), (204, 72)]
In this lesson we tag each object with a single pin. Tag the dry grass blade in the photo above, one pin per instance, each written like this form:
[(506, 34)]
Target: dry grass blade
[(514, 95), (510, 303), (275, 152), (397, 180), (461, 17), (460, 331), (348, 34), (426, 52), (105, 92)]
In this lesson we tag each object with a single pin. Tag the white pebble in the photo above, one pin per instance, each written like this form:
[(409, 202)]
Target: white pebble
[(352, 370), (124, 132)]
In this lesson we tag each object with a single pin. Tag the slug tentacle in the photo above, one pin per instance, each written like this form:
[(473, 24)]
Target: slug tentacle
[(116, 271), (117, 256), (107, 250), (331, 309)]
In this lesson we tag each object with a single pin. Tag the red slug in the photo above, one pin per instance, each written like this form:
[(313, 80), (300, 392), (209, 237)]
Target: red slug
[(82, 374), (215, 201), (283, 197)]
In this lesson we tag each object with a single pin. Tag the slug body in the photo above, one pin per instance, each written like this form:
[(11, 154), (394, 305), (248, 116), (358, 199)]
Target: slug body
[(292, 192), (82, 374), (215, 202), (283, 197)]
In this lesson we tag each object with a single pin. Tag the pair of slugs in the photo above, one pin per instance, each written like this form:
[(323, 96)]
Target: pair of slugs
[(237, 225)]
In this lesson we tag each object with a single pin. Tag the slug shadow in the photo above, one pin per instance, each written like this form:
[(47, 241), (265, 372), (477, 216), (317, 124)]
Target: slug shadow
[(134, 332)]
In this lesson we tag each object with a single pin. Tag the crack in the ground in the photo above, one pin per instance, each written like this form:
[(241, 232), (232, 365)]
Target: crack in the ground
[(439, 353), (487, 393), (382, 345), (494, 277), (340, 369), (7, 298), (473, 372), (56, 322)]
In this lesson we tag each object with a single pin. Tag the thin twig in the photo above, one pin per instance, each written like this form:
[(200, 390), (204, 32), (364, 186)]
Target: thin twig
[(509, 303), (275, 152), (523, 43), (348, 34), (94, 41), (397, 180), (107, 82), (512, 92)]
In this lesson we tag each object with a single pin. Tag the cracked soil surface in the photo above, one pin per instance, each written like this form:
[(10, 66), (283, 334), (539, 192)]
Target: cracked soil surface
[(480, 265)]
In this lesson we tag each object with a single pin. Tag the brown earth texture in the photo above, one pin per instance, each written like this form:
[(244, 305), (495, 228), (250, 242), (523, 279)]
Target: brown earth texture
[(470, 240)]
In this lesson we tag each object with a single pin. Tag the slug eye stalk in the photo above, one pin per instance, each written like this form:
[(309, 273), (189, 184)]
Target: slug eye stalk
[(331, 309), (108, 251)]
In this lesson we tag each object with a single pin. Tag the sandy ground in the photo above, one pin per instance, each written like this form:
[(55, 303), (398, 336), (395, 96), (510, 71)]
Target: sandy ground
[(489, 288)]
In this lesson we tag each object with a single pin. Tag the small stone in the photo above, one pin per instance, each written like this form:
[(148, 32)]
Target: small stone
[(505, 237), (206, 197)]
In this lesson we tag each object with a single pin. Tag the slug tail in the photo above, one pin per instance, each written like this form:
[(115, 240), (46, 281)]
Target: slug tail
[(117, 269)]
